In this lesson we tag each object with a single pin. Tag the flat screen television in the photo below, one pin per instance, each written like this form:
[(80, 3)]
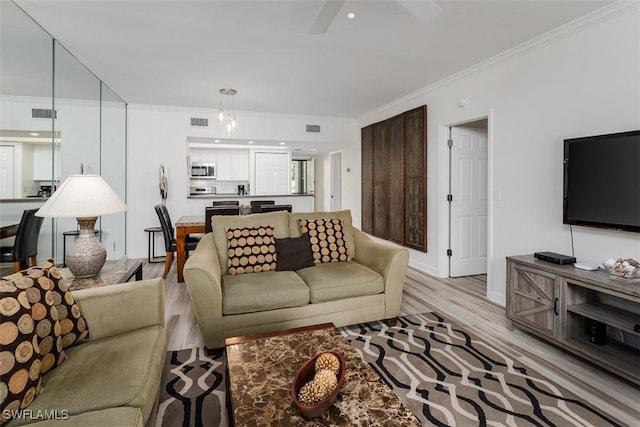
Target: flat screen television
[(602, 181)]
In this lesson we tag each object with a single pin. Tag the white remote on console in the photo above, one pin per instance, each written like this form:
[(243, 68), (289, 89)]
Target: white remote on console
[(585, 266)]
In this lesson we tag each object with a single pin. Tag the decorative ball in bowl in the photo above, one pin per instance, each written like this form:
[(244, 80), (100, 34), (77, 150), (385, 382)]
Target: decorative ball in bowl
[(628, 268), (316, 385)]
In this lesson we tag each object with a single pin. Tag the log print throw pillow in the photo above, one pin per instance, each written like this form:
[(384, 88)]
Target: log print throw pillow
[(30, 339), (327, 239), (73, 325), (251, 249)]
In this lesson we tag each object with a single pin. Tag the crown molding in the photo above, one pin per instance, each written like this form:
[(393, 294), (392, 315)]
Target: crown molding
[(264, 115), (603, 14)]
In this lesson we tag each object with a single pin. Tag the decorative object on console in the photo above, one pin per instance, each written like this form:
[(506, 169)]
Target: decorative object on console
[(228, 117), (619, 267), (84, 197)]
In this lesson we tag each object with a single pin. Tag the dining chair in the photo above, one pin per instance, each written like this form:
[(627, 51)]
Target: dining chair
[(256, 204), (170, 244), (25, 245), (274, 208), (226, 203), (218, 210)]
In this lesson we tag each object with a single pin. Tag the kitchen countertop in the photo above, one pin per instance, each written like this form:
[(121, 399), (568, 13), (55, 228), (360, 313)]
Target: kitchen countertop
[(236, 196)]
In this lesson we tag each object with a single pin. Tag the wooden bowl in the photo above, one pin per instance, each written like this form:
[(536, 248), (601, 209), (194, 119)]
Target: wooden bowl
[(306, 374)]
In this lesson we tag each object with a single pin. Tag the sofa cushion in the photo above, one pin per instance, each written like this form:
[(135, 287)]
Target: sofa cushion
[(334, 281), (268, 290), (294, 253), (327, 239), (251, 249), (122, 370), (219, 224), (344, 216)]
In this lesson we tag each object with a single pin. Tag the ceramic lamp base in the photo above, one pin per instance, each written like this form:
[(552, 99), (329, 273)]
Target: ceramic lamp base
[(87, 256)]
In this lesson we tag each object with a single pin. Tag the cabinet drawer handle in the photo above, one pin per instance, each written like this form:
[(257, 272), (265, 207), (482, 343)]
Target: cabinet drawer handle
[(555, 306)]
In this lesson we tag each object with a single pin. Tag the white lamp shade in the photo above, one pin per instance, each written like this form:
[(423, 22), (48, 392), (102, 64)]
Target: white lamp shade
[(82, 196)]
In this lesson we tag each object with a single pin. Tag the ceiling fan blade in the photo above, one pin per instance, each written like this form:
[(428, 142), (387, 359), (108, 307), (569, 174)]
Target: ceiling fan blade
[(424, 10), (325, 17)]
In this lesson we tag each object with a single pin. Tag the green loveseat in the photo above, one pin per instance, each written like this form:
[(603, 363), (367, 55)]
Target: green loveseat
[(113, 379), (366, 288)]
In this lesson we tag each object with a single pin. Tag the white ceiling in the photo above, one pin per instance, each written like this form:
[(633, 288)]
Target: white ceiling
[(180, 53)]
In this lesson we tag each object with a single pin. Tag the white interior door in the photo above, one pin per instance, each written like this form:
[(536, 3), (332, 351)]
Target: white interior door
[(272, 173), (468, 223), (336, 181), (6, 172)]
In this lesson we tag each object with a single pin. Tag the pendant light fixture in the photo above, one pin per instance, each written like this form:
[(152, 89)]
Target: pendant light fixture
[(227, 110)]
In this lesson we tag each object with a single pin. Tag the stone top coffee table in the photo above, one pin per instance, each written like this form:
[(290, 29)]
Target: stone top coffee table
[(261, 370)]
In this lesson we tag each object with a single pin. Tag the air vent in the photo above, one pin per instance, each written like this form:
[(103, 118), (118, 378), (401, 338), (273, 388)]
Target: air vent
[(313, 128), (195, 121), (43, 113)]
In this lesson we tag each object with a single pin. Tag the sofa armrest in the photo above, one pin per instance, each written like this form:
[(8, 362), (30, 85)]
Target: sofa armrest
[(203, 277), (390, 262), (115, 309)]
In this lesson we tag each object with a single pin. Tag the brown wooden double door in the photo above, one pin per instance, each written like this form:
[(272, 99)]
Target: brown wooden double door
[(394, 179)]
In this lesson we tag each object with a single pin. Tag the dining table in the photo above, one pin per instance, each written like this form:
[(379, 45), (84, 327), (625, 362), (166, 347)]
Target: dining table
[(8, 229), (186, 225)]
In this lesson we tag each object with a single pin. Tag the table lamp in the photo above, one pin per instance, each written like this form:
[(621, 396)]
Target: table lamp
[(85, 197)]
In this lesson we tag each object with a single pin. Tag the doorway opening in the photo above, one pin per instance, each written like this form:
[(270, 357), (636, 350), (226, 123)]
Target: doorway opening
[(468, 198), (336, 181)]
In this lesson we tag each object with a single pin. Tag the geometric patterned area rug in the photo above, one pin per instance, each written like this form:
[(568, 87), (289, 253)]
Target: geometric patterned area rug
[(447, 376), (193, 390)]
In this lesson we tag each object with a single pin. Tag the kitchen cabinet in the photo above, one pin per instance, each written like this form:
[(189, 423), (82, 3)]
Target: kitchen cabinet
[(394, 179), (272, 173), (233, 165), (46, 168)]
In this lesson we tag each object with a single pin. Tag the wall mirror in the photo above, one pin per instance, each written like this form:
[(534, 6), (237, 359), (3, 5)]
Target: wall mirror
[(55, 115)]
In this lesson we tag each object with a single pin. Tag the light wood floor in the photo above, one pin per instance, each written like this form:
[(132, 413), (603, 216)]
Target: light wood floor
[(462, 300)]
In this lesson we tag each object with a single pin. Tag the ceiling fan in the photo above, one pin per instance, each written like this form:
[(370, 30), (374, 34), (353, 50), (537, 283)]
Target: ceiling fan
[(424, 10)]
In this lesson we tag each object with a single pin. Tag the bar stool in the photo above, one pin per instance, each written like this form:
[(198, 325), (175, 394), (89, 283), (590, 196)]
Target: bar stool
[(151, 245)]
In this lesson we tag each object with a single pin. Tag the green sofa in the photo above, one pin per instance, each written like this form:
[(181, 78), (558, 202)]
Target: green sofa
[(366, 288), (113, 379)]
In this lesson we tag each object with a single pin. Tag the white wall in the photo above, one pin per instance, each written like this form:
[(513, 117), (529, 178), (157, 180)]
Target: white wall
[(578, 82), (158, 135)]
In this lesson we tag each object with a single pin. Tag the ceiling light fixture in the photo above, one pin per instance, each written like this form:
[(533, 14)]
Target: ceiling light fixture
[(227, 110), (351, 15)]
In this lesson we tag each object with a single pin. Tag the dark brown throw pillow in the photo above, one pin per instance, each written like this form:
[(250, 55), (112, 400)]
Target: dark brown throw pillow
[(294, 253)]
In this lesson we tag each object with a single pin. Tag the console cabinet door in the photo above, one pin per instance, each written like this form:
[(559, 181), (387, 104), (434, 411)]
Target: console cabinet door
[(534, 299)]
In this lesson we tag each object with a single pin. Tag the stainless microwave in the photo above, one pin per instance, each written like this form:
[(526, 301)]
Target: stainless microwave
[(203, 170)]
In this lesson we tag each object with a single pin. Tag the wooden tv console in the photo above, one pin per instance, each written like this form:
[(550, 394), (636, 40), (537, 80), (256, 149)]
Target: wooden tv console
[(559, 303)]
